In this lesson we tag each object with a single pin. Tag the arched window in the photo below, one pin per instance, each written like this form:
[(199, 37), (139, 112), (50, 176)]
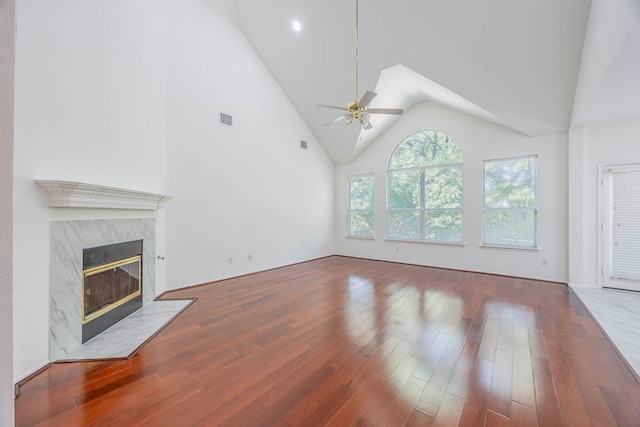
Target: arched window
[(425, 189)]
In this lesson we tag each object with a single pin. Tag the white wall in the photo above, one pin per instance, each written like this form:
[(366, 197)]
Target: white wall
[(595, 146), (7, 56), (90, 105), (126, 94), (479, 141), (246, 190)]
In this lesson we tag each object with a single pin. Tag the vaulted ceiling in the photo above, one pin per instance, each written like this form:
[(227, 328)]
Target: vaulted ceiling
[(511, 62)]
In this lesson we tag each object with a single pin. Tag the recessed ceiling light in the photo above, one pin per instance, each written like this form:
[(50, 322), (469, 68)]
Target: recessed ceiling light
[(296, 25)]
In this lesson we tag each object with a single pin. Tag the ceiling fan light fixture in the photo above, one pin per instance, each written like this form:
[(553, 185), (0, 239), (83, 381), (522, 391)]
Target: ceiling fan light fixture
[(359, 110), (364, 119), (348, 118)]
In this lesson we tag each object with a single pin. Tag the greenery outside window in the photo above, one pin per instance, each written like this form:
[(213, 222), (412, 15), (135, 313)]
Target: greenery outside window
[(360, 206), (510, 213), (425, 180)]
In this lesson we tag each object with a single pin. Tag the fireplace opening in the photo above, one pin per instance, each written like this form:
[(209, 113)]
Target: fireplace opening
[(111, 285)]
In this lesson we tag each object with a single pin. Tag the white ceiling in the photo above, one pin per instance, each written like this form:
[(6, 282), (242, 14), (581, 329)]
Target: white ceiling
[(617, 94), (515, 63)]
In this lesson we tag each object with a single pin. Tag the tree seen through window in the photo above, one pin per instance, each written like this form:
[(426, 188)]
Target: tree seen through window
[(425, 189)]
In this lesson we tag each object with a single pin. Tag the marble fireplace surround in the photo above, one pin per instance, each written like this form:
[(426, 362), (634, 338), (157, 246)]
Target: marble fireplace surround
[(69, 237)]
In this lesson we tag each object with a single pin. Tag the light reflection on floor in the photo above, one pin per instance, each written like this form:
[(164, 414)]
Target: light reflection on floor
[(396, 311), (386, 316)]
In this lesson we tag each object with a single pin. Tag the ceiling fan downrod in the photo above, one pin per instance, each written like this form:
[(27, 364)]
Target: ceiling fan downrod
[(358, 110), (357, 92)]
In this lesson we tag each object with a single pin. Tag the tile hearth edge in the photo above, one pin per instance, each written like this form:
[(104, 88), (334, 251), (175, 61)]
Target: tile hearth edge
[(124, 339)]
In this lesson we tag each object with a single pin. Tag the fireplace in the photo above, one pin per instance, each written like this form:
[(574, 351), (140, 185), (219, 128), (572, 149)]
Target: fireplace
[(69, 239), (83, 216), (111, 285)]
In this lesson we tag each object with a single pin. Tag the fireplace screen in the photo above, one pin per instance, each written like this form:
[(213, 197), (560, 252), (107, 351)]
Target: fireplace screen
[(108, 286), (111, 285)]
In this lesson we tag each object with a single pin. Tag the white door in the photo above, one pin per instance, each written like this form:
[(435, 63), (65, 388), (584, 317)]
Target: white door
[(621, 227)]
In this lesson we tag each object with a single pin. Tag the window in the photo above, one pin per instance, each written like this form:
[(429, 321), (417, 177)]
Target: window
[(425, 189), (360, 209), (510, 202)]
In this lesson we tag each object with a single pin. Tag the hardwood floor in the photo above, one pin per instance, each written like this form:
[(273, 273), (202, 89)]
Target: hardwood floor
[(340, 342)]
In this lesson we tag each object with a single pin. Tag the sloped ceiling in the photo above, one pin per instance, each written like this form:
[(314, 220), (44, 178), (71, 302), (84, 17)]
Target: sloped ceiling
[(617, 95), (515, 63), (609, 84)]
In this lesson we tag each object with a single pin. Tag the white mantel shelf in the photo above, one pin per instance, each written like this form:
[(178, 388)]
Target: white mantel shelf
[(66, 194)]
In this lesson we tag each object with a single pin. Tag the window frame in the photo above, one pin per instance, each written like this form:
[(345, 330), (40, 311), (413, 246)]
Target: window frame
[(349, 233), (422, 209), (533, 209)]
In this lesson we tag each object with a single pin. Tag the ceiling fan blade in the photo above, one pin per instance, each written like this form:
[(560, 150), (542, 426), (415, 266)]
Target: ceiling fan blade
[(368, 126), (334, 121), (367, 98), (332, 107), (386, 110)]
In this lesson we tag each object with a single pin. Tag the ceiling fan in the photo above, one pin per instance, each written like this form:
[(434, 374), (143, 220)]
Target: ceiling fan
[(359, 110)]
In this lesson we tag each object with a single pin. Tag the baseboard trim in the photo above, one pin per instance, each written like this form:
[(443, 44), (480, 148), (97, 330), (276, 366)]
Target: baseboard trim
[(459, 270), (187, 287), (24, 380)]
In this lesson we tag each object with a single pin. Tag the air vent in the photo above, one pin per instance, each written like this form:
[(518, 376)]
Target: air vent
[(303, 144), (226, 120)]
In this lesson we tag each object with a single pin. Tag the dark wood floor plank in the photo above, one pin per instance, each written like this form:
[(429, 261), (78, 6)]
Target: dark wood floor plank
[(523, 416), (587, 383), (268, 365), (349, 342), (349, 414), (621, 408), (558, 360), (474, 411), (571, 405), (419, 419), (250, 413), (328, 407), (547, 406), (496, 420), (289, 392)]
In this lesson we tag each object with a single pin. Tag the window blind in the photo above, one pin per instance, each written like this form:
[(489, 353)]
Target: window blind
[(510, 202), (625, 230), (360, 206)]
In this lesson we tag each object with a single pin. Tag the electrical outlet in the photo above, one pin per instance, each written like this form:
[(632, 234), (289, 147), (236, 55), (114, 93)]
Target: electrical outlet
[(250, 257), (545, 262), (397, 249), (230, 260)]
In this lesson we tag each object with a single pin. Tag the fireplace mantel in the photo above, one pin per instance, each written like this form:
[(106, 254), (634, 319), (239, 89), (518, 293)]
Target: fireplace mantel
[(67, 194)]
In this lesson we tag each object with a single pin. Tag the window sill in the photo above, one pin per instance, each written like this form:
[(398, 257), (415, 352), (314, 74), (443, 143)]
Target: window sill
[(428, 242), (360, 237), (514, 248)]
